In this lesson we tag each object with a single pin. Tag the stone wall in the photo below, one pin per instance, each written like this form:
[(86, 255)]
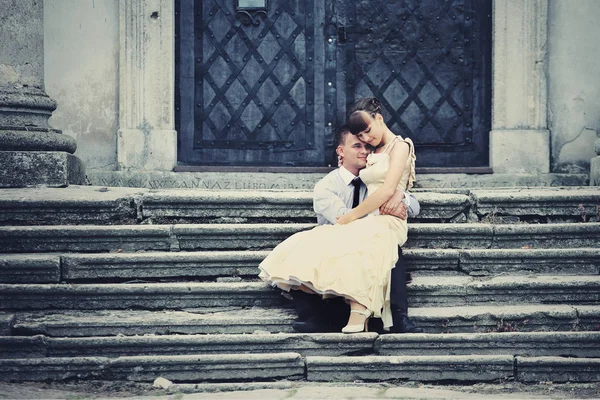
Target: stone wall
[(81, 39), (574, 85), (21, 64)]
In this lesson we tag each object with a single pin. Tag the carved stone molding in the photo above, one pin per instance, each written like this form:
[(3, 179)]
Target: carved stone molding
[(595, 165), (519, 116), (147, 138)]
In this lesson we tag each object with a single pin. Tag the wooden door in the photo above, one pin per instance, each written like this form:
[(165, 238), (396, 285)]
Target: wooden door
[(247, 83), (429, 62), (271, 88)]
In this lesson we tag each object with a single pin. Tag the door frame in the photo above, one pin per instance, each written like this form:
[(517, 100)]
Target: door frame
[(519, 94)]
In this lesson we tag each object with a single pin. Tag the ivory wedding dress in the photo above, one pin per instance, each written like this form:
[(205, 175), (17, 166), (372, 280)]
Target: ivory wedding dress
[(353, 260)]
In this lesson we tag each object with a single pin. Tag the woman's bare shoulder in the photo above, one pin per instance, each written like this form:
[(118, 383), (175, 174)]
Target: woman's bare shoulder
[(400, 146)]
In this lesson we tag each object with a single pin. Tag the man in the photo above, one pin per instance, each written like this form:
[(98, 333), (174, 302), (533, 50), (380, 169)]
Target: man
[(334, 195)]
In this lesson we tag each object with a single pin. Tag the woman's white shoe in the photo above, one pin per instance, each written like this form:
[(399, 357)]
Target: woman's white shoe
[(356, 328)]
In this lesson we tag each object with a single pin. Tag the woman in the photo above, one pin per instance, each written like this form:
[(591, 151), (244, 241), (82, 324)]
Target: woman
[(354, 258)]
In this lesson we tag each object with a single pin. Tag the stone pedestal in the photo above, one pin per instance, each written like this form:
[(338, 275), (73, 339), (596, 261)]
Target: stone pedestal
[(40, 168), (31, 152), (521, 151), (595, 166), (147, 139), (520, 140)]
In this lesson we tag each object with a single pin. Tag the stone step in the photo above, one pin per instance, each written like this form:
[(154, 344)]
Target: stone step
[(7, 320), (272, 206), (202, 237), (503, 236), (30, 268), (557, 369), (424, 291), (507, 318), (91, 238), (115, 205), (330, 344), (153, 296), (444, 291), (556, 204), (563, 344), (200, 265), (291, 366), (435, 320), (486, 262), (232, 320), (180, 368), (71, 205), (96, 238), (211, 265), (220, 206), (470, 368), (120, 205)]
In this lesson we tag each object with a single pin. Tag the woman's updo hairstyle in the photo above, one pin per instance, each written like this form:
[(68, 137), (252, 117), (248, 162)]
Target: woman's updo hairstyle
[(371, 105), (357, 121)]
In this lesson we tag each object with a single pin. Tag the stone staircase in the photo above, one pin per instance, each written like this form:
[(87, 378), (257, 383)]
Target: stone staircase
[(134, 284)]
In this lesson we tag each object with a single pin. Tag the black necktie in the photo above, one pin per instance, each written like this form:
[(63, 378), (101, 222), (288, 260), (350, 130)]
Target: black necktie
[(356, 182)]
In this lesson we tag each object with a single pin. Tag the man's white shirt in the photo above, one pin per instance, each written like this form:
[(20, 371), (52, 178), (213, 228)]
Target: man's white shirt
[(332, 197)]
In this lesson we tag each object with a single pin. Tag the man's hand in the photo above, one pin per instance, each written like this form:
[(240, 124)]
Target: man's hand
[(394, 206), (346, 218)]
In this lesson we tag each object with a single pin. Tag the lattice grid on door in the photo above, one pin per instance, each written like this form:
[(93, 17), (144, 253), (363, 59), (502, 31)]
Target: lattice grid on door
[(255, 81), (418, 60)]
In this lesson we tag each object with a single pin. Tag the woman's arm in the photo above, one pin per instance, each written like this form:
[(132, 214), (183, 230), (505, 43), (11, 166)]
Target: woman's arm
[(398, 157)]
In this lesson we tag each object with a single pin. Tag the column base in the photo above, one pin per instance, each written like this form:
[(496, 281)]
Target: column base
[(40, 168), (520, 151), (36, 139), (595, 171)]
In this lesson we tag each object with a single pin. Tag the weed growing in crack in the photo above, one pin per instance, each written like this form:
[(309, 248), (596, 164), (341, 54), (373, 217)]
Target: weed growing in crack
[(445, 328), (582, 213), (501, 326)]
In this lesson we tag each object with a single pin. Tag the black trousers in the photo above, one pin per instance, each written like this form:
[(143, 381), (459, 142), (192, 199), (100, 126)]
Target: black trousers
[(334, 312), (398, 292)]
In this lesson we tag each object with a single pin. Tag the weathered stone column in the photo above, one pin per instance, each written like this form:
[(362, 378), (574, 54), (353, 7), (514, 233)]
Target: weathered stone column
[(520, 140), (595, 166), (31, 152), (147, 139)]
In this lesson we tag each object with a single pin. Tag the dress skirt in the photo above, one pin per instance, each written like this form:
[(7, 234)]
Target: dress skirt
[(353, 261)]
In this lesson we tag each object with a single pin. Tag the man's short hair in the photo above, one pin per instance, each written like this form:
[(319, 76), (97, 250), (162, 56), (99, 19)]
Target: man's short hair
[(341, 135)]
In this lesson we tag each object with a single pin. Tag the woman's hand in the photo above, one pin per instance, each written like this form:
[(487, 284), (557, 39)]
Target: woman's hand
[(346, 218), (394, 206)]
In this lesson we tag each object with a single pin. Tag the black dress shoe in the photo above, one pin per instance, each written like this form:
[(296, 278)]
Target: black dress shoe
[(311, 325), (405, 325)]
